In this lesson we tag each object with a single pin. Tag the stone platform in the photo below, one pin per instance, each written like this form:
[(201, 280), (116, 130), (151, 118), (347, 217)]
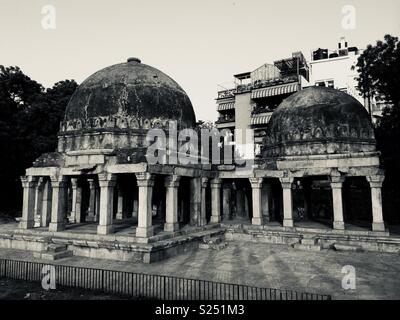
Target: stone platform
[(82, 240), (314, 237)]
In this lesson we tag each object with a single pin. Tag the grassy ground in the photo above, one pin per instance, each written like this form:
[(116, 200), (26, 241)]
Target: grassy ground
[(22, 290)]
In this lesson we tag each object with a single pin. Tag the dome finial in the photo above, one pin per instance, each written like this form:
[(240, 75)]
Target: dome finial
[(133, 59)]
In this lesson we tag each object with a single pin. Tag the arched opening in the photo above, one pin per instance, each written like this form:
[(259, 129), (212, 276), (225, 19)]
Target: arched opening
[(357, 203)]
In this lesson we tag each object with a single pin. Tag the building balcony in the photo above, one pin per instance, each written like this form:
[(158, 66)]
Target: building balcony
[(225, 122), (226, 94), (274, 82)]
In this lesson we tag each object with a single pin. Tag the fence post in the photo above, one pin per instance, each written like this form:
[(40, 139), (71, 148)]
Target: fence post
[(102, 280)]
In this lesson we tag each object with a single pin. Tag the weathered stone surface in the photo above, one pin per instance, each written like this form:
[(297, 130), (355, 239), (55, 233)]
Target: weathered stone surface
[(319, 121)]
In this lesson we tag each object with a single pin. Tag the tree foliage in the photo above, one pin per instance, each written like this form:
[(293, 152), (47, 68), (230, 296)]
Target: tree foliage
[(29, 123), (379, 68)]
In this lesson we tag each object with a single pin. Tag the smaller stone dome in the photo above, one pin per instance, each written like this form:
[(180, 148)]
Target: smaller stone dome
[(319, 121)]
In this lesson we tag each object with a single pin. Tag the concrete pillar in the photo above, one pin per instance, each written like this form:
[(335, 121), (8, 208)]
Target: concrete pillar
[(286, 183), (203, 217), (171, 201), (46, 204), (120, 204), (226, 201), (145, 182), (92, 201), (107, 183), (215, 200), (266, 194), (74, 188), (38, 201), (58, 203), (28, 208), (375, 183), (337, 198), (256, 184)]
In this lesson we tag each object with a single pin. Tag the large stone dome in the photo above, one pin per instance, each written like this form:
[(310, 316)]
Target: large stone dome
[(128, 95), (116, 106), (319, 121)]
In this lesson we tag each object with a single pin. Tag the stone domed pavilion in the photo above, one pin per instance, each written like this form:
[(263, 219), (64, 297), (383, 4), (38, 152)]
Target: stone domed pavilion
[(318, 178)]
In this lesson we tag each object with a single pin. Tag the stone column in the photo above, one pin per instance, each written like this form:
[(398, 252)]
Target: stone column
[(337, 198), (78, 204), (215, 200), (286, 183), (92, 201), (195, 201), (171, 201), (107, 183), (74, 187), (38, 201), (203, 217), (46, 205), (28, 209), (145, 182), (58, 203), (226, 202), (266, 194), (120, 204), (256, 184), (375, 183)]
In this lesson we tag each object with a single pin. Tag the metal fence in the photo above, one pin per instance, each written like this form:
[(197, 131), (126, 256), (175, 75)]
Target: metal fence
[(147, 286)]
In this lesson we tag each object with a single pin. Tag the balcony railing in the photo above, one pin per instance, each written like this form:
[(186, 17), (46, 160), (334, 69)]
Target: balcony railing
[(226, 94), (273, 82), (225, 120)]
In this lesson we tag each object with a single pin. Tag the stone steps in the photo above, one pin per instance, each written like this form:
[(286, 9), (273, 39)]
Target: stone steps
[(308, 243), (54, 252)]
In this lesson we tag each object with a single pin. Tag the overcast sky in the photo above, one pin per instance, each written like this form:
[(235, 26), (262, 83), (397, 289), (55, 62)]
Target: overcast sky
[(200, 43)]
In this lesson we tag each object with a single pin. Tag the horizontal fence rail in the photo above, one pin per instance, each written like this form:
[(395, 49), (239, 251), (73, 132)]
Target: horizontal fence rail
[(146, 286)]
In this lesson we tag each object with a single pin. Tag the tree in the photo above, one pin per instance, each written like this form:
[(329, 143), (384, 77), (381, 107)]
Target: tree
[(29, 123), (379, 68)]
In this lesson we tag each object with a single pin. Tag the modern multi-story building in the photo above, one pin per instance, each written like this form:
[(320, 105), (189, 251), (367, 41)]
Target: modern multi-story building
[(337, 69), (249, 105)]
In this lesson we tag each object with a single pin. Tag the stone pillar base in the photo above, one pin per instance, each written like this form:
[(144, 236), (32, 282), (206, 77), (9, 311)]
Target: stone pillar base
[(378, 226), (103, 230), (288, 223), (72, 219), (144, 232), (215, 219), (119, 216), (26, 224), (338, 225), (56, 226), (257, 221), (171, 227)]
